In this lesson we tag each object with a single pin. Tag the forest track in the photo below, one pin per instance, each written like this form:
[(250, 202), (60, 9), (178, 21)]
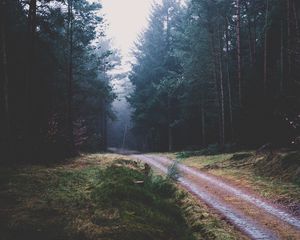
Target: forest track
[(252, 215)]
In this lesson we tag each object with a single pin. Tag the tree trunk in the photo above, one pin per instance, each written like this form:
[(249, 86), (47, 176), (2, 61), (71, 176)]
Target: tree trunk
[(170, 139), (70, 77), (229, 82), (5, 77), (250, 34), (124, 136), (203, 125), (238, 33), (170, 130), (104, 124), (254, 40), (170, 133), (296, 19), (32, 17), (266, 47), (215, 67), (222, 132), (281, 56), (289, 39), (32, 129)]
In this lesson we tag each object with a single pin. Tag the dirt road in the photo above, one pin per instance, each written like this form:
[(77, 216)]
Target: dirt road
[(254, 216)]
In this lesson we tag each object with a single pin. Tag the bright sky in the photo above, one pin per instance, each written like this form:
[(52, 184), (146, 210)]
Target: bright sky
[(126, 19)]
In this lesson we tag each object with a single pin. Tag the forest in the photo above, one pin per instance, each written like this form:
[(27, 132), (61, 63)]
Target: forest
[(222, 73), (55, 91), (218, 72), (149, 119)]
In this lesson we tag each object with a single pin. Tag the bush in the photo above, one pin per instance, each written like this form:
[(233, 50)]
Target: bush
[(173, 172), (212, 149), (149, 209)]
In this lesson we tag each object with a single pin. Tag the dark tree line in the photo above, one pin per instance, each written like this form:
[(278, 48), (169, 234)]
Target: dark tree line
[(220, 72), (55, 94)]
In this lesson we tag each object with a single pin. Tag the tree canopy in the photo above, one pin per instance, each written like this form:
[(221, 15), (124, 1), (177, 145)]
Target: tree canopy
[(221, 72), (54, 64)]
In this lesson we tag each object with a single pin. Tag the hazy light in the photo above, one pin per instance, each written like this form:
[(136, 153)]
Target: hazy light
[(126, 19)]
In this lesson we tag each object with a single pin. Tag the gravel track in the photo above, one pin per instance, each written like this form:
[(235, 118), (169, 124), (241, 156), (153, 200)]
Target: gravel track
[(254, 216)]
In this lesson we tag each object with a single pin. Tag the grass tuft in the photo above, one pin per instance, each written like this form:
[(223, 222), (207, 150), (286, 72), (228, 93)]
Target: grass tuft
[(84, 200)]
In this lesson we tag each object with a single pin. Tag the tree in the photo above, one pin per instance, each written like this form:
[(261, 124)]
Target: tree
[(157, 65), (5, 90), (266, 47), (70, 74), (59, 53), (222, 62), (238, 34)]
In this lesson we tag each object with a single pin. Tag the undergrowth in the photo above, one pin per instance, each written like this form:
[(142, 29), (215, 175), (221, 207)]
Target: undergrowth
[(88, 202), (173, 171), (273, 174), (212, 149)]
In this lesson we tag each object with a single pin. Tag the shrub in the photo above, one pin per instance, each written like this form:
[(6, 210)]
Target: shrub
[(173, 172)]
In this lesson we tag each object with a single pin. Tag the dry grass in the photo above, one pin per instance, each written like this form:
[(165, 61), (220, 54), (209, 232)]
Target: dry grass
[(204, 223), (95, 197), (273, 175)]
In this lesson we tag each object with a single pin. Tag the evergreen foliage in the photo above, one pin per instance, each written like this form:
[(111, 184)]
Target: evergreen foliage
[(221, 72), (54, 81)]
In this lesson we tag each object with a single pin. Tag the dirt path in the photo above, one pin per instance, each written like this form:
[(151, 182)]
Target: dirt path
[(254, 216)]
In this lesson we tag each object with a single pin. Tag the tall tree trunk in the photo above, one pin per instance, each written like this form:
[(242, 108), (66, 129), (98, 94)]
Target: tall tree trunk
[(32, 17), (104, 125), (296, 19), (170, 132), (254, 40), (266, 47), (203, 123), (289, 40), (221, 89), (281, 56), (249, 23), (170, 139), (70, 77), (217, 87), (229, 81), (238, 34), (124, 136), (5, 76), (32, 129)]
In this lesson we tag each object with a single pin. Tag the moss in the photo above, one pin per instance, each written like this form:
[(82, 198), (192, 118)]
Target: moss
[(240, 156), (204, 223), (151, 204), (84, 200)]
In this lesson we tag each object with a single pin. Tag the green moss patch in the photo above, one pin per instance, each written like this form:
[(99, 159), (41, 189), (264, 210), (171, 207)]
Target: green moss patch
[(83, 200)]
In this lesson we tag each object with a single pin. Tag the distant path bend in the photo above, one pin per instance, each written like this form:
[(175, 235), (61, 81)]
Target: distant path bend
[(251, 214)]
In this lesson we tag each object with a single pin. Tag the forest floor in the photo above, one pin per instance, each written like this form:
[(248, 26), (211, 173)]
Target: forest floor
[(101, 196), (257, 193)]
